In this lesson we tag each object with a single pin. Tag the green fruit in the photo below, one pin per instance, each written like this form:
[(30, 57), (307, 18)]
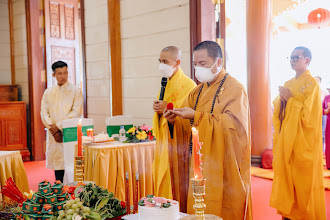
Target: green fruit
[(94, 216), (86, 209), (77, 200), (69, 217), (74, 206), (70, 212)]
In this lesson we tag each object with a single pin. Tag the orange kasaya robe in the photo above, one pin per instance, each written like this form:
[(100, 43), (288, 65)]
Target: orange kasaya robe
[(226, 149), (298, 186), (165, 166)]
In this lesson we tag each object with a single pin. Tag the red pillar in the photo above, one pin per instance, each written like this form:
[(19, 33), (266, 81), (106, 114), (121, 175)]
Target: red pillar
[(258, 27), (36, 75)]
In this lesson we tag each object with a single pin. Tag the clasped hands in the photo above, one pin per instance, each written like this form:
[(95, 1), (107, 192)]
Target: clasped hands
[(326, 111), (285, 93), (56, 132)]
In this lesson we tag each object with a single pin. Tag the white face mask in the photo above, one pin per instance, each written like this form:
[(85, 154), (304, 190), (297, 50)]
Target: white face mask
[(166, 70), (204, 74)]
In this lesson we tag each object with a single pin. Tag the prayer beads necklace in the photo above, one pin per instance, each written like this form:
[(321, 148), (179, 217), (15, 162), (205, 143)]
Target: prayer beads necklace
[(215, 96)]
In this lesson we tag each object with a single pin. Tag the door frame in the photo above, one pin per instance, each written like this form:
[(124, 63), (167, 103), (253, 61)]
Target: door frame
[(36, 50)]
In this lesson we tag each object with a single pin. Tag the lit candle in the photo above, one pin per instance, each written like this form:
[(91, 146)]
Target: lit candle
[(90, 132), (196, 154), (79, 138)]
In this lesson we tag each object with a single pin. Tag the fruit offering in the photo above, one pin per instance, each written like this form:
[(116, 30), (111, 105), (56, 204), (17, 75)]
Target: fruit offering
[(72, 209)]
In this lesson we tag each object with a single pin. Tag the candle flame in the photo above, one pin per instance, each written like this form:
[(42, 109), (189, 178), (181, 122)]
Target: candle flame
[(195, 176), (194, 129), (80, 121), (318, 15)]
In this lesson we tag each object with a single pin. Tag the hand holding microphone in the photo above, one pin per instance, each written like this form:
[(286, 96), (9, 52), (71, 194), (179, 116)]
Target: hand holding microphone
[(159, 105)]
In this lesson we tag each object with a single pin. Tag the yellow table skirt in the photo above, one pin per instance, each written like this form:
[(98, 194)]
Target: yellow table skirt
[(11, 165), (107, 164)]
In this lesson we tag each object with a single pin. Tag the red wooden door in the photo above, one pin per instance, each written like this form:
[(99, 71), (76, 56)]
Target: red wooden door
[(62, 37)]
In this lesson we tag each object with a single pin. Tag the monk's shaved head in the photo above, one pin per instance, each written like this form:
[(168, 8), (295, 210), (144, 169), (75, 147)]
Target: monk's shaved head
[(174, 52), (170, 56)]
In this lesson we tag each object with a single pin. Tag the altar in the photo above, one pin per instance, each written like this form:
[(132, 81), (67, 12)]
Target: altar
[(11, 165), (107, 163)]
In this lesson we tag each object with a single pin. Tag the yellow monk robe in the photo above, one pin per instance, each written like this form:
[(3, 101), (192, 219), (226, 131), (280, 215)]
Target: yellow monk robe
[(298, 187), (226, 149), (177, 90)]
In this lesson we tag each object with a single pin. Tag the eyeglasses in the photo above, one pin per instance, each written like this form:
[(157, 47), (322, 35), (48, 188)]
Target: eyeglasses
[(296, 58)]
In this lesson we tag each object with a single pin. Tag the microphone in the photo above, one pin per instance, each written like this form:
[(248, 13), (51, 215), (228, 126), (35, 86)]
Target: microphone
[(162, 89)]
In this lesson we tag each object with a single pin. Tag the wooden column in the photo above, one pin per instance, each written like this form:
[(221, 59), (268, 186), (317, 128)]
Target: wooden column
[(12, 42), (258, 29), (202, 25), (115, 53), (83, 51), (36, 73)]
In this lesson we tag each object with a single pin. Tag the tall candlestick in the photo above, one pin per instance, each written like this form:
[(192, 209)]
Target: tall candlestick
[(79, 138), (128, 203), (136, 195), (196, 154)]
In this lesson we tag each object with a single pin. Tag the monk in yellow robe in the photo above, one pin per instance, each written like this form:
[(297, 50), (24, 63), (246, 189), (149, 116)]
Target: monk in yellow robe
[(219, 109), (166, 166), (298, 187)]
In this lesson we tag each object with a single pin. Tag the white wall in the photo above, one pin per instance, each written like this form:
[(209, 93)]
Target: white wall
[(147, 26), (20, 48), (5, 71), (97, 62)]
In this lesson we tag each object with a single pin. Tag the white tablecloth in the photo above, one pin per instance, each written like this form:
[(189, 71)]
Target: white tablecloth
[(136, 216)]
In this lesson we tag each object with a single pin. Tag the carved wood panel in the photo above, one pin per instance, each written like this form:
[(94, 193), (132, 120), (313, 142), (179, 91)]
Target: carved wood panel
[(66, 54), (14, 132), (10, 113), (62, 41), (69, 22), (54, 15)]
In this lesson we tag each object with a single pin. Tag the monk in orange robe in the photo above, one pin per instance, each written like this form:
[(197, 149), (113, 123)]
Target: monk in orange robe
[(166, 168), (219, 109), (298, 186)]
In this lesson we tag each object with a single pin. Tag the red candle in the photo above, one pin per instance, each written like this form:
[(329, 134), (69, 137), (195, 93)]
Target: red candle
[(79, 138), (196, 154)]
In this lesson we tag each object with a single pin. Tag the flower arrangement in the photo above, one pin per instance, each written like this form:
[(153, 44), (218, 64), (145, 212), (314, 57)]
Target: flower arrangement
[(139, 134)]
